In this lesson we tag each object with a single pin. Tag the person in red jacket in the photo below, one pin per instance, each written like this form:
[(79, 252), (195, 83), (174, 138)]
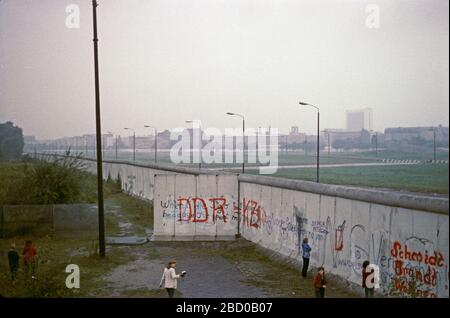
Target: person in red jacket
[(320, 283), (29, 257)]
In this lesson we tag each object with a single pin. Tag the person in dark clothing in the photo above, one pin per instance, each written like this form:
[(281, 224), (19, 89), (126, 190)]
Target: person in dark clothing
[(320, 283), (369, 291), (306, 249), (13, 259)]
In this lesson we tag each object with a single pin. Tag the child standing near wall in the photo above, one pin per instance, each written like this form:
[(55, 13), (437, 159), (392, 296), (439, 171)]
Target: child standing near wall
[(320, 283), (306, 251), (13, 259)]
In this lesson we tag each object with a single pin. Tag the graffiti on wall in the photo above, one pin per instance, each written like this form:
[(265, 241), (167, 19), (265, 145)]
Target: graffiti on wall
[(209, 210), (416, 268), (409, 268)]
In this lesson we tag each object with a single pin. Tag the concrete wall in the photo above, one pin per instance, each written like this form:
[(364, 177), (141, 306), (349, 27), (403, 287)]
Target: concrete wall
[(189, 207), (343, 232), (61, 218), (75, 217), (22, 219)]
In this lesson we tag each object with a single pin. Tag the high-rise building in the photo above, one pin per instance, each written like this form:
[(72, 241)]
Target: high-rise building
[(360, 119)]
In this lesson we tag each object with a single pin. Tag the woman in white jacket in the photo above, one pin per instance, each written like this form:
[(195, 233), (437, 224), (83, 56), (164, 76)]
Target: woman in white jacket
[(169, 278)]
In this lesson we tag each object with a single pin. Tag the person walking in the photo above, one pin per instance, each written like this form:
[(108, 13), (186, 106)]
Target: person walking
[(369, 291), (320, 283), (13, 259), (29, 258), (170, 277), (306, 253)]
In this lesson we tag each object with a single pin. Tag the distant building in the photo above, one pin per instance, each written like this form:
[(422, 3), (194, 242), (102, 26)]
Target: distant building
[(343, 138), (360, 119), (164, 141), (145, 142), (405, 134), (295, 136)]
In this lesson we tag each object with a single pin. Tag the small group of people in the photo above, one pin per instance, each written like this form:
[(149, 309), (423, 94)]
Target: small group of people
[(320, 282), (29, 260)]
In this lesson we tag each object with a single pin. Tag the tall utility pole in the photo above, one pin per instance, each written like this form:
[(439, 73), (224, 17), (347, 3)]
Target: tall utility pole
[(101, 221), (376, 144), (318, 143), (434, 143), (286, 143), (318, 136), (306, 145), (117, 144), (329, 145)]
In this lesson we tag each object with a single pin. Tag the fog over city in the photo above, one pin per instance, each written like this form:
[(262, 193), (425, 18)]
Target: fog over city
[(163, 62)]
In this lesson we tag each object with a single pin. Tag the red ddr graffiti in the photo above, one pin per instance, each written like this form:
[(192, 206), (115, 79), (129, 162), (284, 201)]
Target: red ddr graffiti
[(196, 209)]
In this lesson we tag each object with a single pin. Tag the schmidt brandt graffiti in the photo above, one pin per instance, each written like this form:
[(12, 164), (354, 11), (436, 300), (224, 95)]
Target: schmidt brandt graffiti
[(416, 268)]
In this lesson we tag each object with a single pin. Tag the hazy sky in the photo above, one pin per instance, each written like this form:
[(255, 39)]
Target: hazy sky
[(165, 61)]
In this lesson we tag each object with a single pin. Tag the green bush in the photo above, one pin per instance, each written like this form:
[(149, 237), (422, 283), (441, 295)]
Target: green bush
[(61, 180), (50, 182)]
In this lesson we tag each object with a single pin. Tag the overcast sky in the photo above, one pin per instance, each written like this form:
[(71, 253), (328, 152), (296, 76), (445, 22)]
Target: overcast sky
[(165, 61)]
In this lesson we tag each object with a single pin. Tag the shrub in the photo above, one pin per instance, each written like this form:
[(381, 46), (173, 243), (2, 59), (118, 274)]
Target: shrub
[(49, 182)]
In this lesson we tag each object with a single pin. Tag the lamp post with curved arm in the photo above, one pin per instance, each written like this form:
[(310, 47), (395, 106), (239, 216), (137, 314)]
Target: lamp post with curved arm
[(318, 139)]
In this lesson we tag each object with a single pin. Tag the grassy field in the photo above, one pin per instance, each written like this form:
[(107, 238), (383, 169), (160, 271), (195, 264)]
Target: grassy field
[(428, 178), (298, 157), (425, 178)]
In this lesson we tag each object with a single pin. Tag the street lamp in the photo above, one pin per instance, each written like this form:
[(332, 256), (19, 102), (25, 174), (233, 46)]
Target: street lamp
[(199, 140), (156, 141), (328, 138), (134, 142), (101, 221), (376, 144), (243, 136), (434, 144), (318, 132)]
